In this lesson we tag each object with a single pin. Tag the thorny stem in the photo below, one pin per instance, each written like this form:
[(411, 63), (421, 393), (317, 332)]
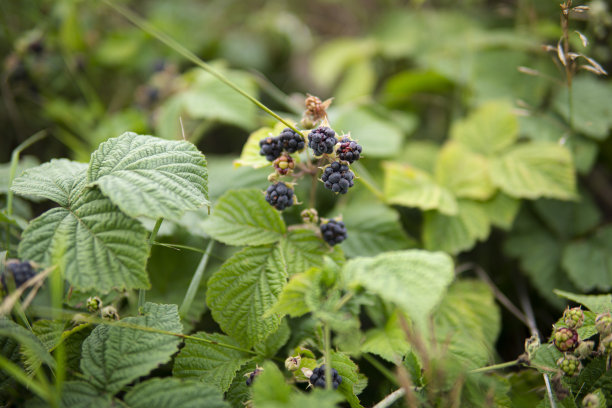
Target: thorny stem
[(170, 42), (142, 292)]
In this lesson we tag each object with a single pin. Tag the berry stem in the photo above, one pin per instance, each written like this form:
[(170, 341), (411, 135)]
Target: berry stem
[(195, 281), (494, 367), (328, 361), (172, 43), (142, 292)]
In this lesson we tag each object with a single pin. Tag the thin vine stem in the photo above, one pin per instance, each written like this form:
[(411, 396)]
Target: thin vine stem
[(195, 280), (176, 46), (142, 292), (494, 367)]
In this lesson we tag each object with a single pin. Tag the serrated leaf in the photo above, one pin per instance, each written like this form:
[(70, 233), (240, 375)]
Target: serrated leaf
[(95, 244), (408, 186), (454, 234), (150, 177), (534, 170), (79, 394), (464, 173), (352, 382), (302, 249), (595, 303), (25, 162), (243, 290), (114, 356), (300, 295), (239, 393), (488, 130), (545, 358), (172, 392), (589, 262), (270, 389), (54, 180), (502, 210), (415, 280), (274, 341), (250, 151), (209, 362), (569, 219), (388, 342), (29, 343), (244, 217), (374, 228)]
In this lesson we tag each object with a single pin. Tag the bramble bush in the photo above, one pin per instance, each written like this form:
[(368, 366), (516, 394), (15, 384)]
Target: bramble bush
[(329, 261)]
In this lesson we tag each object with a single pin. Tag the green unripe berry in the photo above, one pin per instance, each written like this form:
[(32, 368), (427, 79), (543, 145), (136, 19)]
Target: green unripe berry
[(573, 318), (570, 365), (603, 324), (591, 401), (94, 304)]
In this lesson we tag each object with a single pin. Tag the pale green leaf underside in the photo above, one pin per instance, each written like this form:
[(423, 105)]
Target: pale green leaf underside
[(150, 177), (172, 392), (210, 363), (534, 170), (454, 234), (94, 244), (408, 186), (245, 287), (244, 217), (589, 263), (415, 280), (114, 356), (54, 180)]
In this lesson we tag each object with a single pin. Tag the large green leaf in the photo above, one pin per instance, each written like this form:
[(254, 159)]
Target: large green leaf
[(502, 210), (211, 362), (408, 186), (373, 228), (488, 130), (302, 249), (54, 180), (534, 170), (26, 162), (464, 173), (300, 295), (415, 280), (589, 262), (79, 394), (114, 356), (150, 177), (94, 244), (244, 217), (569, 219), (242, 291), (172, 392), (456, 233), (352, 382), (388, 342), (595, 303)]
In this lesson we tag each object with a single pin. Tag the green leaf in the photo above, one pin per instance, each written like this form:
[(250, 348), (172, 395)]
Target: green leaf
[(94, 243), (172, 392), (464, 173), (454, 234), (534, 170), (79, 394), (352, 382), (242, 291), (589, 262), (502, 210), (30, 344), (25, 162), (374, 228), (270, 389), (250, 151), (359, 81), (244, 217), (210, 363), (408, 186), (114, 356), (335, 56), (415, 280), (150, 177), (300, 295), (54, 181), (488, 130), (274, 341), (569, 219), (388, 342), (595, 303), (301, 250)]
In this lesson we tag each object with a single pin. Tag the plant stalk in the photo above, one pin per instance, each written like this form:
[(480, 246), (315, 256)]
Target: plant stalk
[(195, 281), (142, 292), (328, 361)]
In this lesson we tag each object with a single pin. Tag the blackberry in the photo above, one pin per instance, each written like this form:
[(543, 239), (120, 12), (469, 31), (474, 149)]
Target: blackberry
[(348, 150), (565, 339), (290, 141), (251, 376), (317, 379), (271, 147), (21, 272), (333, 232), (338, 178), (280, 196), (322, 140)]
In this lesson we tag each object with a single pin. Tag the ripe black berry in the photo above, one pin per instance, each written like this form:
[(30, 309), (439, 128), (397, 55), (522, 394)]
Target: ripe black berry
[(333, 232), (271, 147), (348, 150), (338, 178), (317, 379), (290, 141), (21, 272), (322, 140), (280, 196)]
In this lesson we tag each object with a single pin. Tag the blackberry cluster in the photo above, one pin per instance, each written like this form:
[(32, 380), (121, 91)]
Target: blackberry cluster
[(317, 379), (338, 178), (348, 150), (322, 140), (271, 147), (290, 141), (280, 196), (21, 272), (333, 232)]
